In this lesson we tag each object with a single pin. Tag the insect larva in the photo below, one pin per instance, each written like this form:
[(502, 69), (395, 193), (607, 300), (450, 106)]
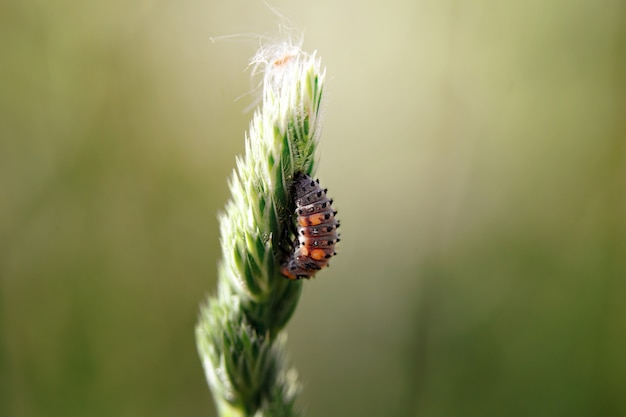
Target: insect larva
[(316, 229)]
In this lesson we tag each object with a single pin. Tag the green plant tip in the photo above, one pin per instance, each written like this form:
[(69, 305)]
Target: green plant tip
[(239, 334)]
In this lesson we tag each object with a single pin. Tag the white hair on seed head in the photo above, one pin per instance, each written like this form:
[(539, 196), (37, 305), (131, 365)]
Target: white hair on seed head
[(274, 57)]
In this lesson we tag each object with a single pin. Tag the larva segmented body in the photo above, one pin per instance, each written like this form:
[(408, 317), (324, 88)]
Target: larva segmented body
[(316, 229)]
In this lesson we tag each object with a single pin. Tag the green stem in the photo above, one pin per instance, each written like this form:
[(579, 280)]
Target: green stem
[(240, 331)]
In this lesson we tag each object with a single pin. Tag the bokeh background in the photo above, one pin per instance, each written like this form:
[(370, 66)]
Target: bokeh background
[(476, 152)]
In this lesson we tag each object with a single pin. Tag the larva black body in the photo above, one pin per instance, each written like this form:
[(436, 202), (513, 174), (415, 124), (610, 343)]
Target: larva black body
[(316, 230)]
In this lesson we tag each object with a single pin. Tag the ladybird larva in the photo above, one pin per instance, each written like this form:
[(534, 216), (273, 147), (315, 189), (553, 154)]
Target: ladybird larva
[(316, 229)]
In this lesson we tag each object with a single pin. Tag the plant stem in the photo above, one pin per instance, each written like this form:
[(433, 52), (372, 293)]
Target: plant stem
[(240, 333)]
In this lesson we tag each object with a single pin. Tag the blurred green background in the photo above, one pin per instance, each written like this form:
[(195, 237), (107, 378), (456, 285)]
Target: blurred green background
[(476, 152)]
